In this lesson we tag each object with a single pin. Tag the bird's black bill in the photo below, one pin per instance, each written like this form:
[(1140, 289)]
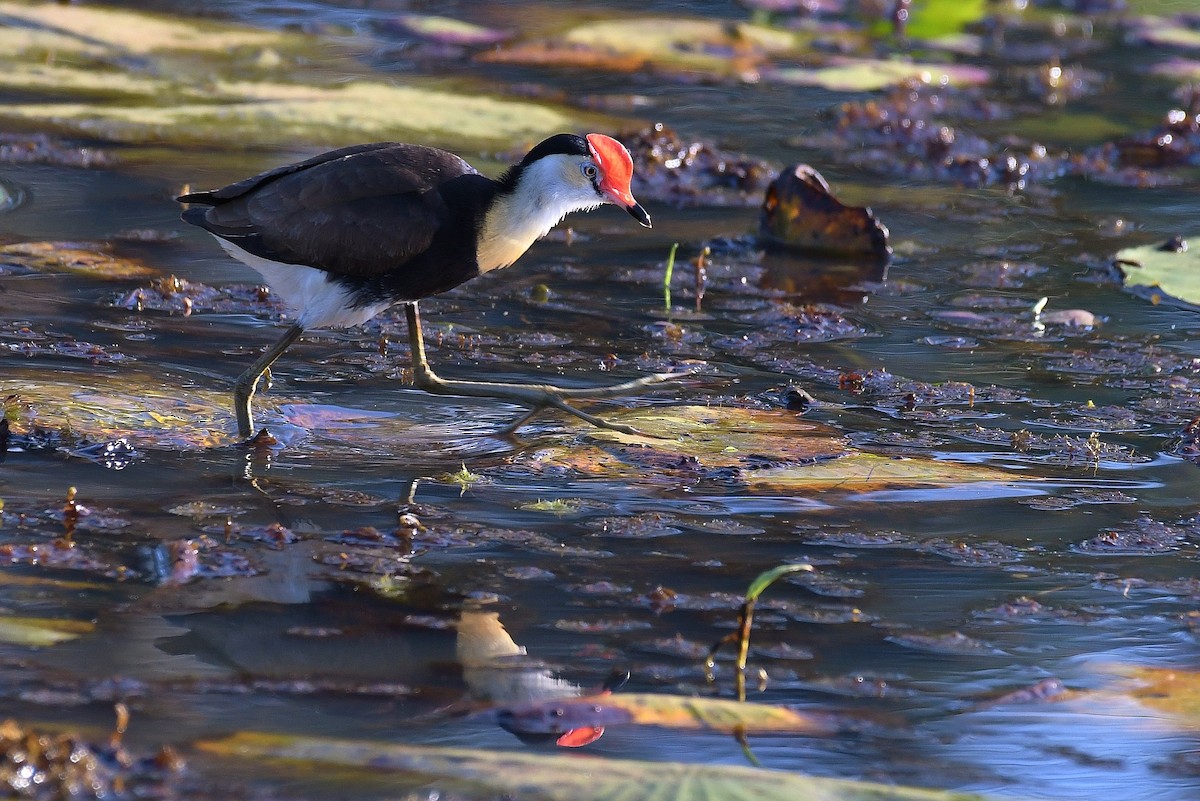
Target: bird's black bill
[(638, 213)]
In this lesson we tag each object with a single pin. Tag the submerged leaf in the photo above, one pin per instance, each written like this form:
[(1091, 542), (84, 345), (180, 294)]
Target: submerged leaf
[(478, 773)]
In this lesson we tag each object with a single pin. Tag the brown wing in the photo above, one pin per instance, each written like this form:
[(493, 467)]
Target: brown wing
[(360, 211)]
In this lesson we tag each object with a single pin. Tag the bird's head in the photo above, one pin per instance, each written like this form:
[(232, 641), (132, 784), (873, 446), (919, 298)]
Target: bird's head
[(583, 172)]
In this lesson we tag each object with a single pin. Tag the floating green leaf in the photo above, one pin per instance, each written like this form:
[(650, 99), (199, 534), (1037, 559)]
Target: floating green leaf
[(483, 774), (930, 19), (1154, 272)]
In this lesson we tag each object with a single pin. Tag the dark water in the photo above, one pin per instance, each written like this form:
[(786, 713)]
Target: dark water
[(895, 565)]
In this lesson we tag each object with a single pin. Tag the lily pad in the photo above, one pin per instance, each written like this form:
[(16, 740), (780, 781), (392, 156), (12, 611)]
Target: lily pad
[(668, 711), (89, 30), (89, 259), (718, 437), (156, 79), (266, 113), (772, 451), (867, 472), (1164, 32), (143, 411), (932, 19), (39, 632), (669, 44), (484, 774), (1176, 692), (868, 75), (1160, 271), (447, 30), (57, 78)]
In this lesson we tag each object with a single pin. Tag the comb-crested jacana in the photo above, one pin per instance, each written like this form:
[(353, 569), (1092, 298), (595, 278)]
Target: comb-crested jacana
[(344, 235)]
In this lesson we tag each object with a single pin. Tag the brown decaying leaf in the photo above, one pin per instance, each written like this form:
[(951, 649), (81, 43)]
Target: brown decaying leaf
[(801, 213)]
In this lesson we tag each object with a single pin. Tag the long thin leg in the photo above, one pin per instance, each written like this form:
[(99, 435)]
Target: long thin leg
[(243, 390), (536, 396)]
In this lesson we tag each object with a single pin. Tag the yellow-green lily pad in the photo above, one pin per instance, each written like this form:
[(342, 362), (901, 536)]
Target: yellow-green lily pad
[(449, 30), (137, 77), (666, 711), (716, 437), (144, 410), (672, 44), (39, 632), (59, 78), (265, 113), (91, 30), (867, 75), (1165, 32), (930, 19), (1155, 272), (868, 472), (771, 450), (476, 773), (1175, 692)]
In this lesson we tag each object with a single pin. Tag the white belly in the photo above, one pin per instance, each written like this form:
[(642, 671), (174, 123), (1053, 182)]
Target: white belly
[(316, 301)]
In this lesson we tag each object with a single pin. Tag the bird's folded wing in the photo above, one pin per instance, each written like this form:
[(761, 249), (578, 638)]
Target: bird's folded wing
[(361, 214)]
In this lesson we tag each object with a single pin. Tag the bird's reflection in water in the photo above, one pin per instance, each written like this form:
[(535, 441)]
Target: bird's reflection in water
[(501, 673)]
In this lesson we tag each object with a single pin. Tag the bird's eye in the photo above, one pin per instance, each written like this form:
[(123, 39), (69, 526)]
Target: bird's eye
[(589, 171)]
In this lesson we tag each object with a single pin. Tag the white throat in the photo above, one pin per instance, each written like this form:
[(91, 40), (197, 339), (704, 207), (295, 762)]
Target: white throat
[(548, 190)]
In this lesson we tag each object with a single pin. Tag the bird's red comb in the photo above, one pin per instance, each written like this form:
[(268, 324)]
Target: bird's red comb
[(615, 164)]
